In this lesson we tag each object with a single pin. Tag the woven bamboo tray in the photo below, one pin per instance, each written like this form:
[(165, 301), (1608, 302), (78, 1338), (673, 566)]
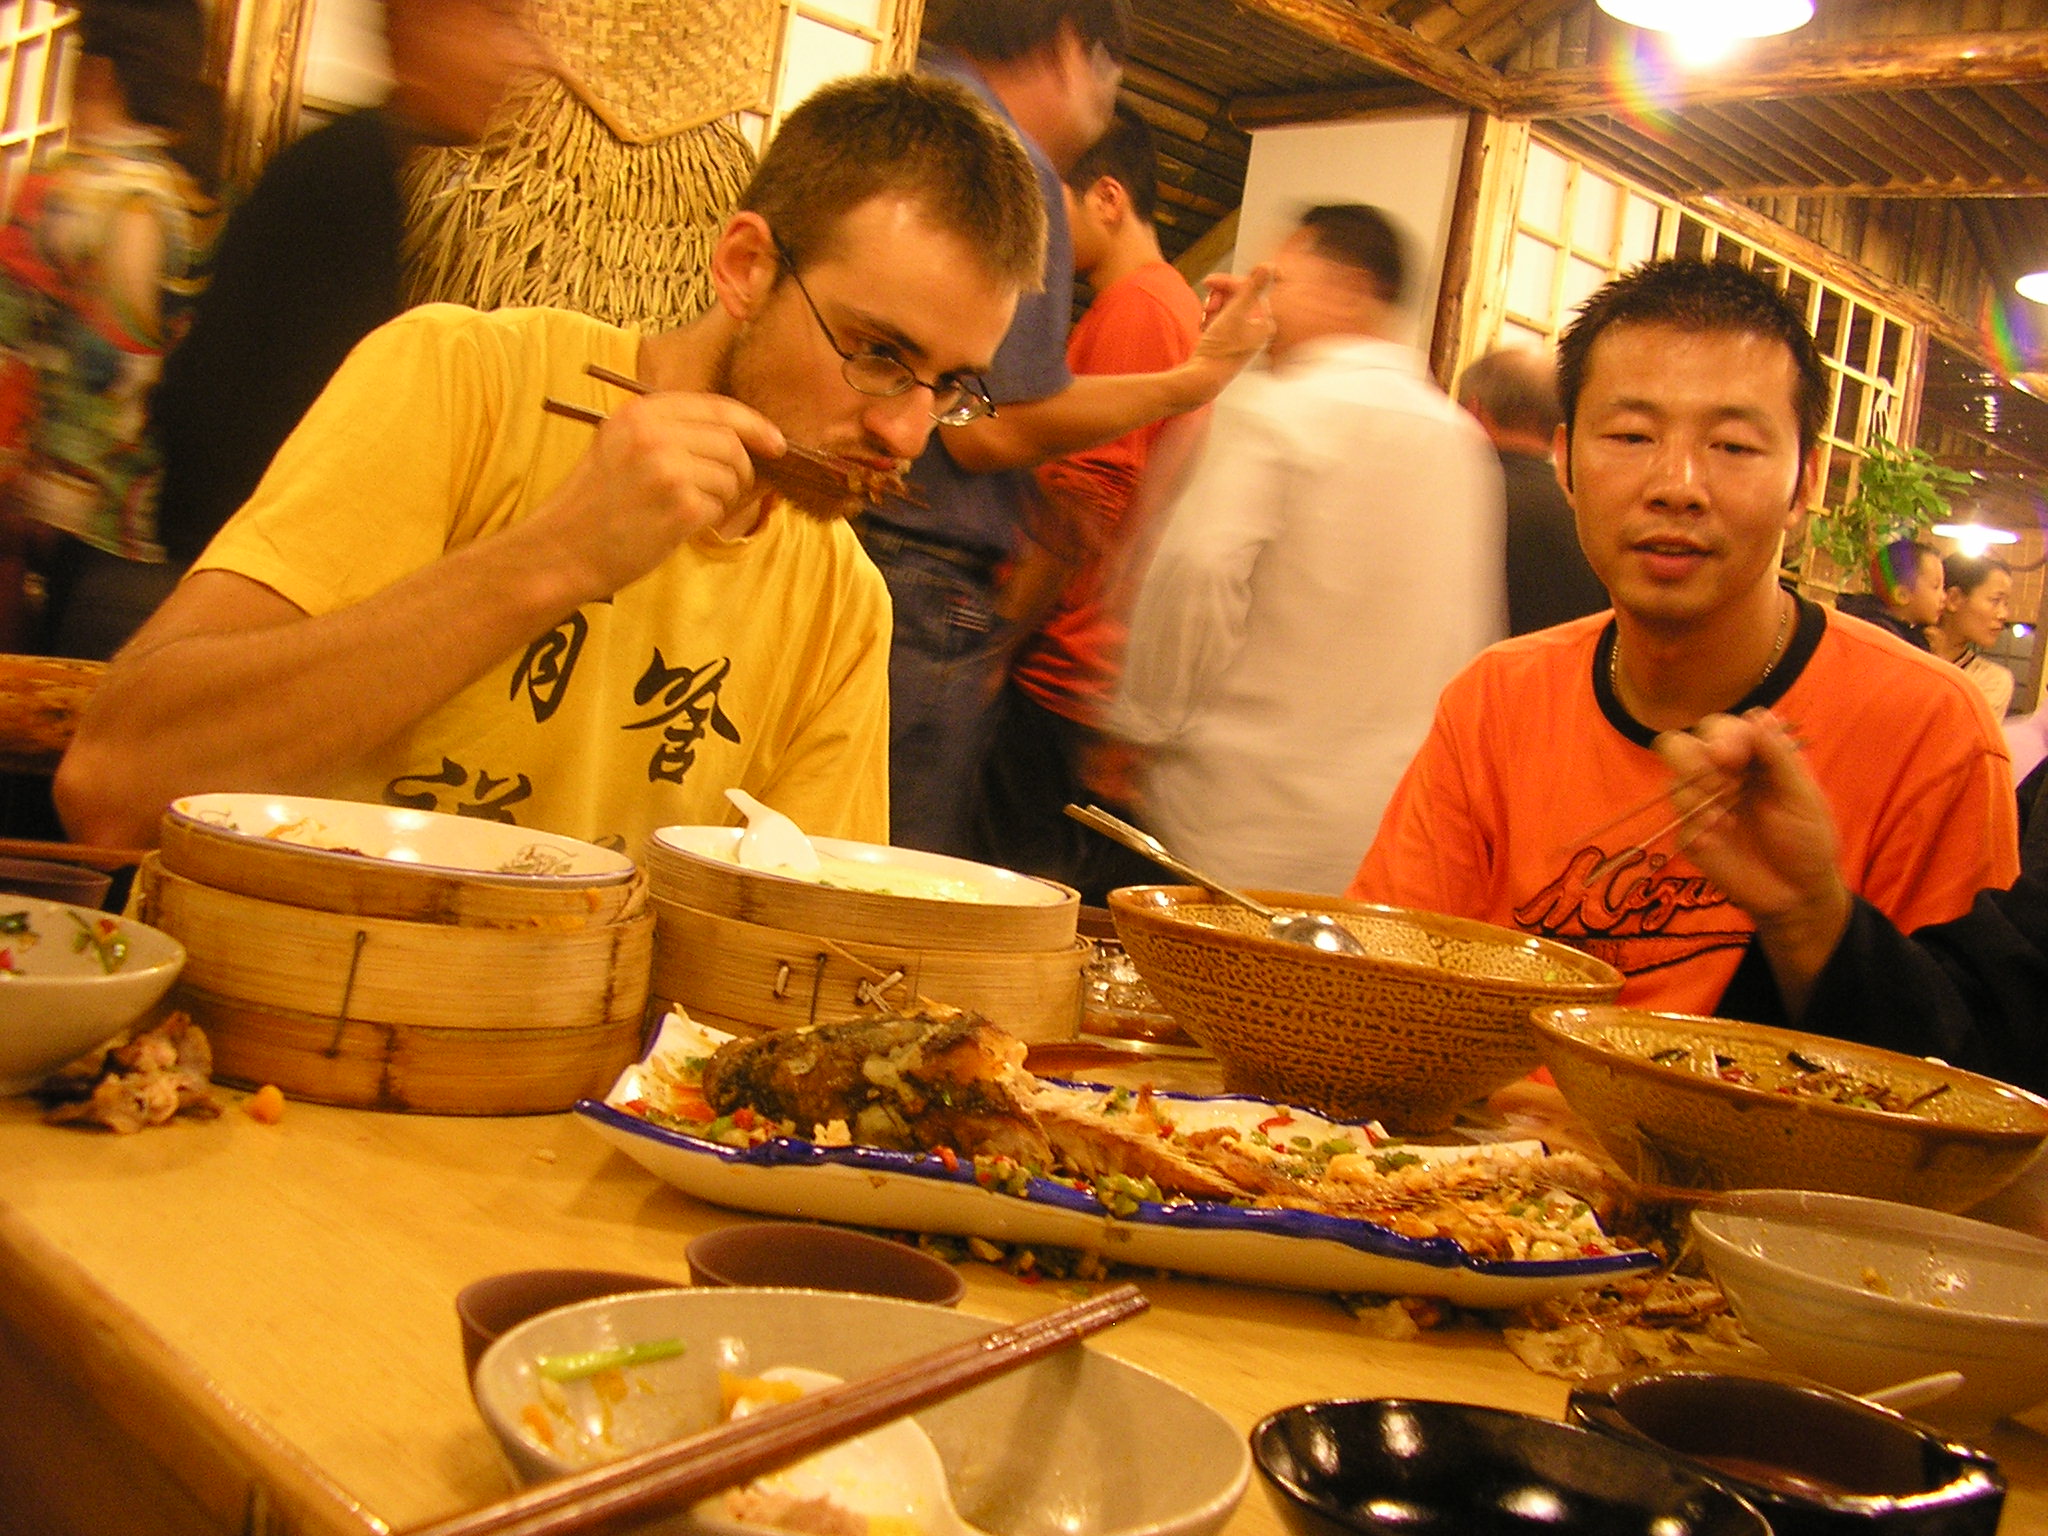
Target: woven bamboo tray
[(381, 1014), (244, 857), (378, 888), (751, 978), (710, 883)]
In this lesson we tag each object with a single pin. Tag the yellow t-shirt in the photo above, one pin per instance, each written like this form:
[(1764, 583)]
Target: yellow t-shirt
[(761, 663)]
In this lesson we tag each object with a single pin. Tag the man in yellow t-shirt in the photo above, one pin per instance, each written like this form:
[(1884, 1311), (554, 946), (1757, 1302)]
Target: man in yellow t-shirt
[(443, 596)]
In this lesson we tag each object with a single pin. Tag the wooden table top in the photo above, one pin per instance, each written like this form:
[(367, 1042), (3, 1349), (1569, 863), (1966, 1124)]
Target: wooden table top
[(268, 1310)]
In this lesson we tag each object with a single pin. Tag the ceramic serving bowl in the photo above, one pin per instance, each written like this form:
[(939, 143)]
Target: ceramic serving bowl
[(1656, 1089), (1436, 1015), (1077, 1444), (1815, 1462), (393, 862), (70, 978), (802, 1255), (1393, 1467), (1861, 1294)]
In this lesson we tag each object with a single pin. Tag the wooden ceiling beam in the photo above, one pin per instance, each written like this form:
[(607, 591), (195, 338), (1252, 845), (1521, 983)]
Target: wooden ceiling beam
[(1945, 191), (1389, 45), (1457, 30), (1250, 112), (1861, 158), (1975, 59)]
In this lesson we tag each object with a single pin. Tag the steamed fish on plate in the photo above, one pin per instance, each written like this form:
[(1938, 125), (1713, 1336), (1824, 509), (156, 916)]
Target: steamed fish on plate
[(955, 1089)]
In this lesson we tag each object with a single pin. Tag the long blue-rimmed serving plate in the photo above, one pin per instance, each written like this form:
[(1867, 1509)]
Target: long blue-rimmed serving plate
[(903, 1191)]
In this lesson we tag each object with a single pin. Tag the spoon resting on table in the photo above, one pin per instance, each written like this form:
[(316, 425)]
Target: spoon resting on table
[(1317, 930)]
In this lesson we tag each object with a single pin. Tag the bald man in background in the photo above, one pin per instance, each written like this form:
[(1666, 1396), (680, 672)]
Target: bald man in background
[(1513, 395)]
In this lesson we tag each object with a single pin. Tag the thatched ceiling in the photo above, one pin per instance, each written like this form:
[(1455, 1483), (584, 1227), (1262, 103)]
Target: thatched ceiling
[(1876, 117)]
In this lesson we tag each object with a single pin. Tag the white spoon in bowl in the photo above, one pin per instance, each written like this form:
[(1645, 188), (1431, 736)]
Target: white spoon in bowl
[(772, 841), (1917, 1393), (893, 1472)]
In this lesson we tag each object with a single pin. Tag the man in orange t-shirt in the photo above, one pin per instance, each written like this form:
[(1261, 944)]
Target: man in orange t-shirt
[(1048, 747), (1693, 401)]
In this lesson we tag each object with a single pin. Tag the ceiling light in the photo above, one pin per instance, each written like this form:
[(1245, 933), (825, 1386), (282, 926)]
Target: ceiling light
[(1721, 19), (2034, 286), (1975, 538)]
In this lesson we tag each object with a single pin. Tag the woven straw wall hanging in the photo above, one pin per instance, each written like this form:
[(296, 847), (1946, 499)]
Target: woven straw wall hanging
[(601, 190)]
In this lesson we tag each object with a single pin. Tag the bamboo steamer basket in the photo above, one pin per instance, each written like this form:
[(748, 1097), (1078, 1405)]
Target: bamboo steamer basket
[(693, 866), (455, 872), (377, 1013), (750, 978), (751, 951)]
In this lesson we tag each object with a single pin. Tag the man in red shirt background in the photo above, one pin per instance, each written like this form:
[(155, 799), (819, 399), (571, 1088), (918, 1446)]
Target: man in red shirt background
[(1048, 747)]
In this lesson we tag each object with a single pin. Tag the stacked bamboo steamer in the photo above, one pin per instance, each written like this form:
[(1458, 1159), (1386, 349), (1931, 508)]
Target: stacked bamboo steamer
[(467, 967), (749, 951)]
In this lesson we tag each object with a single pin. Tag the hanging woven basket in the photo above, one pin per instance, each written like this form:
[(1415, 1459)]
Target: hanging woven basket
[(603, 188)]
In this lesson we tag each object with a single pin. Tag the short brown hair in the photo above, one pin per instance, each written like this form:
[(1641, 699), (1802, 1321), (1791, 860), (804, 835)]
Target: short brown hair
[(1359, 236), (1701, 297), (919, 136), (1011, 29), (1516, 387)]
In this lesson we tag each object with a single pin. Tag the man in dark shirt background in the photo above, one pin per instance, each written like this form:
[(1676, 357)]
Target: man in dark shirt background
[(310, 263), (1513, 395)]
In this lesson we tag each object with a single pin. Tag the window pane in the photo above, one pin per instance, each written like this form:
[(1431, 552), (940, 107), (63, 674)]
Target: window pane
[(1638, 231), (1595, 205), (1543, 184), (1581, 279), (1532, 272), (862, 13), (816, 55)]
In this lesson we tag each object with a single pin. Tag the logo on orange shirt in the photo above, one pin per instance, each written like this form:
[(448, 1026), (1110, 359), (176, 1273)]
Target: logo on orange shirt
[(1625, 917)]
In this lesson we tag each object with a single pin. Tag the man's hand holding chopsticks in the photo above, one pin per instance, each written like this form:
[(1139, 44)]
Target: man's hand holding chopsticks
[(661, 468), (1770, 843)]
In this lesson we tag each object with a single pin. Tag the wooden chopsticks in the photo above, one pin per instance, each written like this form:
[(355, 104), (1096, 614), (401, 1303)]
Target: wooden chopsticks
[(622, 1494), (1719, 798)]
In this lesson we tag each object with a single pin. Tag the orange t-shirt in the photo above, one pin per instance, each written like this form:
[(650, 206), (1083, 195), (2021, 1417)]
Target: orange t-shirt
[(1529, 749), (1147, 323)]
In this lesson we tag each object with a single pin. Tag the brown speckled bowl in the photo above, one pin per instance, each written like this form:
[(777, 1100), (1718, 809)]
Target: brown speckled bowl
[(1678, 1123), (1436, 1015)]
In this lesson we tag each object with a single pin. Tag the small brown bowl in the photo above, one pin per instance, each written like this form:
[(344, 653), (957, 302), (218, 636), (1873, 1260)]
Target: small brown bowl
[(802, 1256), (54, 880), (499, 1303)]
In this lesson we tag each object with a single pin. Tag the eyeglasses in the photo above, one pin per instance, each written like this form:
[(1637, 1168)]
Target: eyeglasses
[(957, 398)]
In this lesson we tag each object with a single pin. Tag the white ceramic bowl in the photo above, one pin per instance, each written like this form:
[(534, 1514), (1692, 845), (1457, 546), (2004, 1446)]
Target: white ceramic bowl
[(1862, 1294), (351, 830), (71, 977), (1077, 1444)]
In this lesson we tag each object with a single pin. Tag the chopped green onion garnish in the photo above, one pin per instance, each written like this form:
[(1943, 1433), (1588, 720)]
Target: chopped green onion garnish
[(591, 1361)]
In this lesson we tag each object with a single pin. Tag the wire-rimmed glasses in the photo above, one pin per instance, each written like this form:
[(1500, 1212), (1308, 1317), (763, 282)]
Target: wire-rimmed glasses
[(957, 398)]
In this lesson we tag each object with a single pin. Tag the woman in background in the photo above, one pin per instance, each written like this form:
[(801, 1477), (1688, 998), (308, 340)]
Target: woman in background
[(1974, 611), (99, 263)]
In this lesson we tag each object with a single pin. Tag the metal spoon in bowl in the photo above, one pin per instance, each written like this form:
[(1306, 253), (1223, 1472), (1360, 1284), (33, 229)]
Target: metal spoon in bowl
[(1318, 930)]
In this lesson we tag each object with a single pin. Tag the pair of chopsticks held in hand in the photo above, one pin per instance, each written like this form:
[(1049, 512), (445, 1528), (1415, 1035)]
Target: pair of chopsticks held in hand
[(1723, 796)]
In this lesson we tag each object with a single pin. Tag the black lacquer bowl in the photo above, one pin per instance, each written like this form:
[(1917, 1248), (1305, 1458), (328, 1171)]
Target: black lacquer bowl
[(1391, 1465)]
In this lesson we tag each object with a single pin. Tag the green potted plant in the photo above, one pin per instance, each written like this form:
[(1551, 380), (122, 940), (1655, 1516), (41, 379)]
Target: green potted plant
[(1900, 493)]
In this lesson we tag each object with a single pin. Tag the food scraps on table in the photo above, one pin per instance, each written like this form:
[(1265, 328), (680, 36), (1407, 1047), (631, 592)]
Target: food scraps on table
[(266, 1105), (130, 1083), (953, 1087)]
